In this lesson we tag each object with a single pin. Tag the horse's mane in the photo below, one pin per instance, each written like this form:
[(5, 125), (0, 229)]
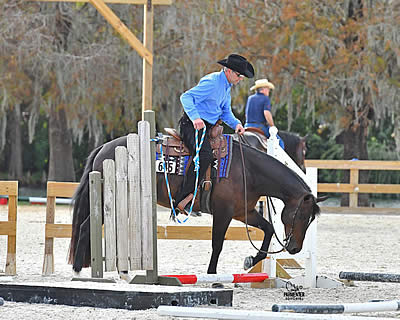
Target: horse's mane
[(263, 154), (291, 140)]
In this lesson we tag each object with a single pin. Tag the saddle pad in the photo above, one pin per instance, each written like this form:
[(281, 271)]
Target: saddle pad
[(177, 164)]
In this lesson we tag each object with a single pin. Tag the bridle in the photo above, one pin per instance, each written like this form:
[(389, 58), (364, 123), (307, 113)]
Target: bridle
[(285, 241)]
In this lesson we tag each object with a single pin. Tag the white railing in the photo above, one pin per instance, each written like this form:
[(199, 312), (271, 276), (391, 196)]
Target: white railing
[(310, 242)]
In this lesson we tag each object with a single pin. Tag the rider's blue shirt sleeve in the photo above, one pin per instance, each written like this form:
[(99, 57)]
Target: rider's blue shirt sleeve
[(227, 115), (267, 104)]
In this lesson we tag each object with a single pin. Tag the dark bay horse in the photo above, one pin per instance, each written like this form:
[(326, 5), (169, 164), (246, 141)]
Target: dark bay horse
[(265, 176), (295, 146)]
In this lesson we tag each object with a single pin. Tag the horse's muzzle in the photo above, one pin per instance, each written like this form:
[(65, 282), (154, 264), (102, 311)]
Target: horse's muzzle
[(292, 247)]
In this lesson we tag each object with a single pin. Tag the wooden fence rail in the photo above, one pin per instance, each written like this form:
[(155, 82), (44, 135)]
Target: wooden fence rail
[(67, 189), (9, 228), (354, 187)]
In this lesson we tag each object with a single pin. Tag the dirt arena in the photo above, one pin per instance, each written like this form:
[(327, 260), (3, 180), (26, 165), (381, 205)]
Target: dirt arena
[(368, 243)]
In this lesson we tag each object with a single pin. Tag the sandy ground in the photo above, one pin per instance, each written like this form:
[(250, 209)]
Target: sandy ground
[(345, 243)]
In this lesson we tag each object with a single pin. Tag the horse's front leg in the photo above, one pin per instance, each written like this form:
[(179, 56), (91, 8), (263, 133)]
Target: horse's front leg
[(254, 219), (220, 225)]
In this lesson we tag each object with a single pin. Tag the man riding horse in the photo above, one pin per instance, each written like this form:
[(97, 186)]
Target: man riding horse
[(258, 108), (205, 104)]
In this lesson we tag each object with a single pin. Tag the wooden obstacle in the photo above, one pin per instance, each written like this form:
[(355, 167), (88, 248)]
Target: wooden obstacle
[(234, 314), (338, 308), (130, 246), (9, 228), (106, 295), (376, 277), (222, 278), (55, 230)]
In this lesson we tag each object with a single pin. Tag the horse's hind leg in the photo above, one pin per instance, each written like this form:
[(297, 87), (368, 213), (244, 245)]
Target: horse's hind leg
[(83, 245), (218, 235), (254, 219)]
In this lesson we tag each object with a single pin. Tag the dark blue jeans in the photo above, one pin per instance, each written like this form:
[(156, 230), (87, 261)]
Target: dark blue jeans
[(187, 133)]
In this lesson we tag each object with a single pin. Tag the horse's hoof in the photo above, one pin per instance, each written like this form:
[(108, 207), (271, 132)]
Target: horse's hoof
[(248, 263), (217, 285), (76, 274)]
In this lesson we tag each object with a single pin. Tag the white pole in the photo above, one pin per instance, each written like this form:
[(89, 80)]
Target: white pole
[(217, 313)]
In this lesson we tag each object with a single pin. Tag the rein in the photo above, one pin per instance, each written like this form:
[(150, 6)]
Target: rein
[(196, 161), (269, 201)]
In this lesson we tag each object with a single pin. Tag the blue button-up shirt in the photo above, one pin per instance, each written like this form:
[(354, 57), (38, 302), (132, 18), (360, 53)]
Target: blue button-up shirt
[(210, 100)]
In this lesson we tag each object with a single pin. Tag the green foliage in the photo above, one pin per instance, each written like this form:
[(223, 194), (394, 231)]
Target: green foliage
[(36, 154)]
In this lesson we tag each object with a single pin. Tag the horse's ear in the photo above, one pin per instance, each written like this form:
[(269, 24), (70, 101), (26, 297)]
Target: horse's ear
[(323, 198)]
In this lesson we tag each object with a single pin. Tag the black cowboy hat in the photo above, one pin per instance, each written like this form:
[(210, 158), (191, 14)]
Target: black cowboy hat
[(239, 64)]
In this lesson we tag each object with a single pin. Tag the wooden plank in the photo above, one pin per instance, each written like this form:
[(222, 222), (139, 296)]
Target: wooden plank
[(205, 233), (100, 295), (11, 260), (147, 68), (110, 237), (95, 224), (48, 261), (9, 188), (122, 29), (152, 275), (353, 197), (146, 194), (58, 230), (8, 228), (379, 188), (349, 164), (135, 221), (121, 207), (362, 188), (361, 210), (61, 189), (155, 2)]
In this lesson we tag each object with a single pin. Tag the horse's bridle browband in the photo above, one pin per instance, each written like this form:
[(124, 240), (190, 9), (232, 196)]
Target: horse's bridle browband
[(269, 201)]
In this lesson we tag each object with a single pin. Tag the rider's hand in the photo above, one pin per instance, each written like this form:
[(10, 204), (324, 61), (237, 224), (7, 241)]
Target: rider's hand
[(198, 124), (239, 129)]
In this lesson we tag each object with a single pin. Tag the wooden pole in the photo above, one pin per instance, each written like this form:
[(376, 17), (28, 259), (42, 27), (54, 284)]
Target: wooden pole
[(122, 29), (147, 67), (95, 224)]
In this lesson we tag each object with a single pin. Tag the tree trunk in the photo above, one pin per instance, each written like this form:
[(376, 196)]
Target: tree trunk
[(15, 169), (354, 140), (61, 165)]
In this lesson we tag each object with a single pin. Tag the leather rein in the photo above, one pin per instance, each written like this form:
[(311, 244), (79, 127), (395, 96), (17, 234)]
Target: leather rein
[(269, 201)]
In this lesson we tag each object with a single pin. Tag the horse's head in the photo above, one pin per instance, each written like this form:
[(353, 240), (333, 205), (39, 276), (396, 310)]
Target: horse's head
[(301, 150), (296, 217)]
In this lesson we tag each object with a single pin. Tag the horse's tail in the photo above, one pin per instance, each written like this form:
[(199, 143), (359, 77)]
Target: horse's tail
[(81, 209)]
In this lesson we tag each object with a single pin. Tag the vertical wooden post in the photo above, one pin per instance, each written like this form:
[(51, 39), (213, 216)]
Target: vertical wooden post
[(353, 197), (48, 262), (121, 207), (110, 238), (135, 217), (11, 261), (150, 117), (152, 275), (147, 67), (146, 195), (95, 224)]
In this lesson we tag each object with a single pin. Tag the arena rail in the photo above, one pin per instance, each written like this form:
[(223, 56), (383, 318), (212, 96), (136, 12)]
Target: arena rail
[(9, 228), (67, 189), (354, 187)]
